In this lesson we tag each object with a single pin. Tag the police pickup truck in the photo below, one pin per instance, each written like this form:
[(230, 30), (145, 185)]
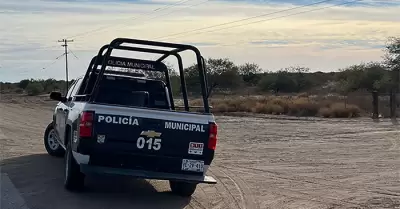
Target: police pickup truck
[(124, 123)]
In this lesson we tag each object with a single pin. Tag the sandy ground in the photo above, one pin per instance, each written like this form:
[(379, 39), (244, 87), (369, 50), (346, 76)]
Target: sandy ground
[(260, 163)]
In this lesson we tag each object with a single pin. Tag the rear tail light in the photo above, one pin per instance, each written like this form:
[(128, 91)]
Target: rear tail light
[(212, 140), (86, 124)]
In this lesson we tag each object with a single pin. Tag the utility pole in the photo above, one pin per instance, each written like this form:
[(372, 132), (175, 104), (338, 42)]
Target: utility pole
[(65, 45)]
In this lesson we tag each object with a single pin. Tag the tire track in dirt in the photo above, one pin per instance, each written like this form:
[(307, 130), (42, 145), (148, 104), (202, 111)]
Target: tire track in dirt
[(232, 192), (395, 144), (303, 195), (309, 180), (222, 188), (243, 205), (246, 195), (289, 194), (194, 203)]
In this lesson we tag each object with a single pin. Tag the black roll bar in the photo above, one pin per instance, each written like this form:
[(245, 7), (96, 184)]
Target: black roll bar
[(116, 44), (183, 82)]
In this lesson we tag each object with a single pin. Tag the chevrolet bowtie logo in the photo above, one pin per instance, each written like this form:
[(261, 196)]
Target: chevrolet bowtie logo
[(150, 134)]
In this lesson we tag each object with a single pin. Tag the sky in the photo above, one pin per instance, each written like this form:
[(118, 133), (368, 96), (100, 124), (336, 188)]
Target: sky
[(273, 34)]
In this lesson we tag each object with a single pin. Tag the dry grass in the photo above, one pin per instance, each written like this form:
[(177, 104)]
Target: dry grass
[(340, 110), (293, 106)]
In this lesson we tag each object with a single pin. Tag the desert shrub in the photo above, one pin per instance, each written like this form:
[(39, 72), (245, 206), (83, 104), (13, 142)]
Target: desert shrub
[(304, 94), (274, 109), (248, 104), (340, 110), (283, 103), (259, 108), (34, 89), (295, 106), (303, 107), (223, 107), (354, 110), (195, 102), (232, 105), (325, 112), (19, 91)]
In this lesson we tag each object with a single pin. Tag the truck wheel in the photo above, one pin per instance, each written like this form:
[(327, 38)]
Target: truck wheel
[(74, 180), (182, 188), (51, 144)]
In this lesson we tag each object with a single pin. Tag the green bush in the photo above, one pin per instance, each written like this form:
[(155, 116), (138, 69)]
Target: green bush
[(34, 89)]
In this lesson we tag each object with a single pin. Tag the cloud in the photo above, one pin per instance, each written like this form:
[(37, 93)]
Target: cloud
[(325, 40)]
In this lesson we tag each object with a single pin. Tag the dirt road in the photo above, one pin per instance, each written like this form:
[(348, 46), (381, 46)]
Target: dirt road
[(260, 163)]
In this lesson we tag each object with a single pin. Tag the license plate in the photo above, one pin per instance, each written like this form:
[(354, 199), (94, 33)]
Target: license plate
[(192, 165)]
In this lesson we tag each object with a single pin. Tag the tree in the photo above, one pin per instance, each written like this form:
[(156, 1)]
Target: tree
[(192, 79), (250, 73), (220, 65), (223, 72), (392, 53), (343, 87), (352, 75), (384, 84), (268, 82), (373, 77), (281, 81), (285, 82), (392, 59), (299, 76), (23, 83), (34, 88)]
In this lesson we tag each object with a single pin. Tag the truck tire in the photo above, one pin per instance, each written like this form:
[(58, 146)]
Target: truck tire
[(182, 188), (74, 180), (51, 144)]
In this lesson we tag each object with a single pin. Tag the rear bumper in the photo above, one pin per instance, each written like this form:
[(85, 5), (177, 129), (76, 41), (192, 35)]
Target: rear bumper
[(91, 169)]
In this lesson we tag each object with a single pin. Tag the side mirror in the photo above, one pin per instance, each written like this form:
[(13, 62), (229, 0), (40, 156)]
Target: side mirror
[(55, 95)]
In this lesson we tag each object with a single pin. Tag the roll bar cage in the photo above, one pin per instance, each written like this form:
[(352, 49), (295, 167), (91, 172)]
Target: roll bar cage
[(104, 59)]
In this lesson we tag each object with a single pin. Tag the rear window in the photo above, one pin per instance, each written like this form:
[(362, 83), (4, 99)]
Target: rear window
[(132, 92)]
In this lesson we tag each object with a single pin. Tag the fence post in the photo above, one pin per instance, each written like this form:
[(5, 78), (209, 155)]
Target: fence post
[(393, 104), (375, 107)]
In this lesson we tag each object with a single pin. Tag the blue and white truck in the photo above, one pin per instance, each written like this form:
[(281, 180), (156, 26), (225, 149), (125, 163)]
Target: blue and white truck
[(124, 123)]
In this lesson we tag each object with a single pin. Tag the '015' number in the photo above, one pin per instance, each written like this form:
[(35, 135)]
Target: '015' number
[(154, 144)]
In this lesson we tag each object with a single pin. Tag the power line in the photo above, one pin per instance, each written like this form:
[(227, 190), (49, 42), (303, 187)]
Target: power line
[(241, 20), (165, 14), (50, 64), (311, 10), (65, 45), (79, 60), (134, 18), (73, 54), (46, 47), (40, 48), (55, 60), (297, 13)]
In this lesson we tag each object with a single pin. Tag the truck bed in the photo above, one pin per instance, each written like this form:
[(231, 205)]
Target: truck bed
[(147, 141)]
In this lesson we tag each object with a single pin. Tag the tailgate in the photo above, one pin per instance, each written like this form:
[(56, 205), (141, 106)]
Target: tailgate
[(152, 139)]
